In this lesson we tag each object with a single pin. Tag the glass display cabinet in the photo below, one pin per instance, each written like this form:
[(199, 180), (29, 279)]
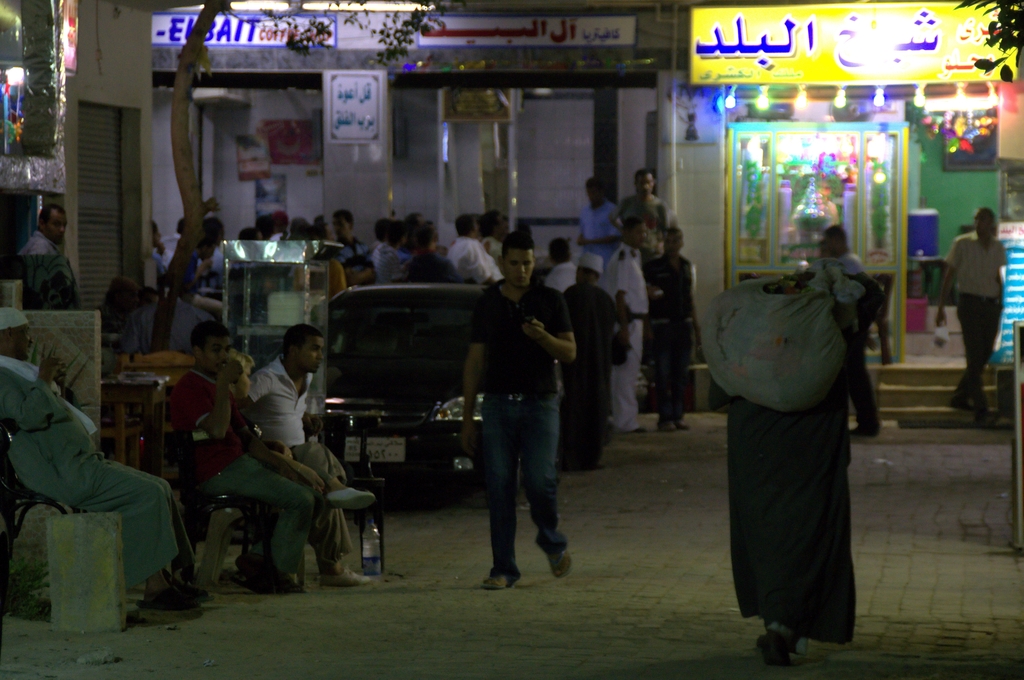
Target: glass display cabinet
[(788, 182), (270, 286)]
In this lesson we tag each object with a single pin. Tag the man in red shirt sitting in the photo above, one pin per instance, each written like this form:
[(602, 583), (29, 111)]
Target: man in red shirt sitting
[(231, 460)]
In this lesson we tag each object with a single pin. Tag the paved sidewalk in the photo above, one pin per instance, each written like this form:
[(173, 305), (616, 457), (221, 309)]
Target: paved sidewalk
[(940, 593)]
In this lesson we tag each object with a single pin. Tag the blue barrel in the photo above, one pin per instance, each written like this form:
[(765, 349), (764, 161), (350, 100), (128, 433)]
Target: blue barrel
[(923, 233)]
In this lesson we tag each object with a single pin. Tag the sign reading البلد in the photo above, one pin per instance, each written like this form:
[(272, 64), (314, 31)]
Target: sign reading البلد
[(877, 44)]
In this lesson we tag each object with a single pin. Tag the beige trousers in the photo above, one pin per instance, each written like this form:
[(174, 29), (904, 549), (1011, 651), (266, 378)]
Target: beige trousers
[(329, 535)]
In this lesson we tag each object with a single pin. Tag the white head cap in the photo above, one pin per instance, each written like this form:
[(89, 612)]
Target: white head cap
[(592, 261), (11, 318)]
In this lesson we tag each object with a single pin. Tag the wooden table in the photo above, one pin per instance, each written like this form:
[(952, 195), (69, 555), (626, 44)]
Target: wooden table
[(151, 396)]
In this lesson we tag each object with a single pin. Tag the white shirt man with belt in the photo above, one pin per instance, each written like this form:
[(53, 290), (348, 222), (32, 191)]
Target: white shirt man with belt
[(277, 401), (975, 259), (623, 279)]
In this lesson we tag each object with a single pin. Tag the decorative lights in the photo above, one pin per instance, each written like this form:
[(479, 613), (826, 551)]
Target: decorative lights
[(840, 100), (762, 102), (15, 76), (801, 98), (730, 98), (919, 99), (961, 97), (879, 99), (993, 96)]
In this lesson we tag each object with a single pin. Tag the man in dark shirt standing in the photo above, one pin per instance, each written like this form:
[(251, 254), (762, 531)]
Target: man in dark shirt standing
[(519, 331), (426, 266), (670, 289)]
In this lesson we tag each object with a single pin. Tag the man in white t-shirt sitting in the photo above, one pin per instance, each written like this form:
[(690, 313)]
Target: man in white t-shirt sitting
[(277, 402), (467, 253)]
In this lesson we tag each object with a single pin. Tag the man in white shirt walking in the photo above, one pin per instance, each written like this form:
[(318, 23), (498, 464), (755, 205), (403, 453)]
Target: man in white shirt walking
[(563, 271), (471, 261), (975, 260), (277, 402), (624, 281)]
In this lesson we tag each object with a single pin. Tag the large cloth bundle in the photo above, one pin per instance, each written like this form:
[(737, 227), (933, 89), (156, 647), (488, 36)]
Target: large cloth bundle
[(778, 351)]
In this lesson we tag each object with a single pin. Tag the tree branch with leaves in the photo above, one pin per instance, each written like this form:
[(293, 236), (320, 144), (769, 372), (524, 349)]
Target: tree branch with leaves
[(1005, 33)]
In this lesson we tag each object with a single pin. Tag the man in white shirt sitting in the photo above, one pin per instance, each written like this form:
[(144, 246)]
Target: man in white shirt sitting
[(277, 403), (563, 271), (471, 261)]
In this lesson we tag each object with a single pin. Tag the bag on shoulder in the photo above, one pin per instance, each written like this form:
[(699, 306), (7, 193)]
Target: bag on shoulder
[(778, 351)]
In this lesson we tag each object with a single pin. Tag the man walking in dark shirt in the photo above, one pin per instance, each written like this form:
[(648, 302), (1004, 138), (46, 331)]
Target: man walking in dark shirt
[(519, 331), (670, 289)]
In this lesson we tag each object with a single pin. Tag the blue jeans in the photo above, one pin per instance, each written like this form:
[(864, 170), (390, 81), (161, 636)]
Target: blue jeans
[(672, 341), (520, 431)]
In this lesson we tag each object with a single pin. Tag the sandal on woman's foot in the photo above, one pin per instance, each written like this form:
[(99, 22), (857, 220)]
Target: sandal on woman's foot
[(561, 564), (169, 600), (774, 648)]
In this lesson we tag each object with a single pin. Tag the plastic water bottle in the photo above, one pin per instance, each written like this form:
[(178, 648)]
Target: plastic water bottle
[(371, 550)]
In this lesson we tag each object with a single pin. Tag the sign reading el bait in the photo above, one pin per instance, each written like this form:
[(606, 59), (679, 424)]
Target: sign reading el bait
[(171, 29)]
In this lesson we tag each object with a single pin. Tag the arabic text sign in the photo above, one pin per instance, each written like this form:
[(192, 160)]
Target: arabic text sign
[(171, 29), (836, 44), (1012, 236), (495, 30), (353, 102)]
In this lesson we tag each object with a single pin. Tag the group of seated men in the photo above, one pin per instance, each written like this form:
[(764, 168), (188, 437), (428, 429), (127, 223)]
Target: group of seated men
[(53, 453)]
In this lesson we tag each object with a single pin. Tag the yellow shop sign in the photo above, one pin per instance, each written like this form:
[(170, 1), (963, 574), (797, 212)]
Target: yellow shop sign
[(836, 44)]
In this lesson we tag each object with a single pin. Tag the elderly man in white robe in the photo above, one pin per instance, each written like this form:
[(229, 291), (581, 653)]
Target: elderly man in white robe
[(53, 453)]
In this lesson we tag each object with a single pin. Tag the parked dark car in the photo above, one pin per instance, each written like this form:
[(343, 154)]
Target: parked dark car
[(399, 350)]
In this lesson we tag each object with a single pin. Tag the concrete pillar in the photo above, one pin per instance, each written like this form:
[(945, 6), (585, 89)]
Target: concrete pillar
[(695, 186), (87, 587)]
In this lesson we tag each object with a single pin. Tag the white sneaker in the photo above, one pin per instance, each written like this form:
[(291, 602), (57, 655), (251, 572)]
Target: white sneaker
[(346, 579), (351, 499)]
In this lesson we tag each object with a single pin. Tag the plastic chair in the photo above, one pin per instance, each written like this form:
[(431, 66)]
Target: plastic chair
[(257, 517)]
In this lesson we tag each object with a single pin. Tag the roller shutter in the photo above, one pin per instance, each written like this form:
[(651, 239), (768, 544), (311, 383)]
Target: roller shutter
[(99, 200)]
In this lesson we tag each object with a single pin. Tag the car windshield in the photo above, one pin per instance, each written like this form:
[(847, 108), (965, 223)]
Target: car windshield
[(401, 332)]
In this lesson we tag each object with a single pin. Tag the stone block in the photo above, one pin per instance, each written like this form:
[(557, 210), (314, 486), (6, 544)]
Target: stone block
[(87, 588)]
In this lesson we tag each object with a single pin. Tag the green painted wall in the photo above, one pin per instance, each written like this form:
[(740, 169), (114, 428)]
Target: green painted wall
[(956, 195)]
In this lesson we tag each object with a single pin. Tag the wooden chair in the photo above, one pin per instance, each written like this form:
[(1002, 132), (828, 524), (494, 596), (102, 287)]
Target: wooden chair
[(126, 431)]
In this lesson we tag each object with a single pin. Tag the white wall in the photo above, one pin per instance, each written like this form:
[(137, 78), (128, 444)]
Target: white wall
[(699, 198), (221, 126), (555, 154), (555, 147), (122, 78), (414, 176), (634, 104), (305, 188)]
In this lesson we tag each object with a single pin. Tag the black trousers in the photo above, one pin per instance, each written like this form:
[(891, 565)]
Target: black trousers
[(979, 320), (862, 394)]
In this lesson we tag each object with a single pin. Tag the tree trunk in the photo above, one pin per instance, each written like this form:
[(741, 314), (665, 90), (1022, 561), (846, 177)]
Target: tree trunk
[(185, 173)]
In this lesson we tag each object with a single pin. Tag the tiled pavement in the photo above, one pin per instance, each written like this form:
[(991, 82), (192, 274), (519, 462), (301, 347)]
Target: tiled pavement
[(940, 593)]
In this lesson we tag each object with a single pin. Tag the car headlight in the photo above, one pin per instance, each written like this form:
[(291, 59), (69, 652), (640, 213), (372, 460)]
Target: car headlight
[(454, 408)]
